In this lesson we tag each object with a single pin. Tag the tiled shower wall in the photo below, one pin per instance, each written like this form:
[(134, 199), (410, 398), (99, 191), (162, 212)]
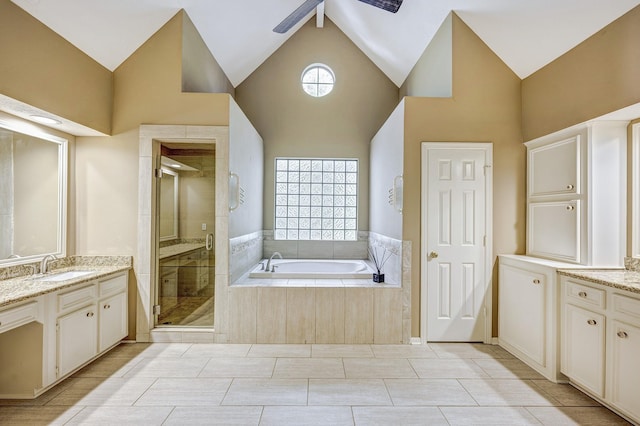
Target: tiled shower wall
[(246, 252)]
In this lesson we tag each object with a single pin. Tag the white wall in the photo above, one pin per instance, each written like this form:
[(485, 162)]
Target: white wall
[(386, 162), (246, 159), (432, 75)]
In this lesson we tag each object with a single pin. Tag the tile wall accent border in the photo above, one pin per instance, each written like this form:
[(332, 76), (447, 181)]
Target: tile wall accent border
[(245, 252)]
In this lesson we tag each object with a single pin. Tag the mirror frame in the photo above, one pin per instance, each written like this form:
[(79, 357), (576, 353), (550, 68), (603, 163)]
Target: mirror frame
[(176, 188), (635, 190), (61, 244)]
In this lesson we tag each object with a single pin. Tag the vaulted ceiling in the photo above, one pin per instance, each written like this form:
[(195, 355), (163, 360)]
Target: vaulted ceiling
[(525, 34)]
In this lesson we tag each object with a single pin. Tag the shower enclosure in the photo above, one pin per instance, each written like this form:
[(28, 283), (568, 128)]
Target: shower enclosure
[(185, 254)]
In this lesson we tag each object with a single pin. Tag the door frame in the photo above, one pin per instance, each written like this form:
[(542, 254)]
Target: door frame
[(487, 147)]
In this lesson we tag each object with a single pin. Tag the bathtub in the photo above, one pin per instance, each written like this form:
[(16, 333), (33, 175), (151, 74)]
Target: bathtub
[(314, 269)]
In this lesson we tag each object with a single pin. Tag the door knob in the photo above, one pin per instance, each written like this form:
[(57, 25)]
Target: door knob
[(433, 255)]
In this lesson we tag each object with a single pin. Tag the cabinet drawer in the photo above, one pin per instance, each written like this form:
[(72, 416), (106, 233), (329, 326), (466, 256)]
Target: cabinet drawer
[(76, 298), (586, 295), (15, 317), (626, 305), (113, 285)]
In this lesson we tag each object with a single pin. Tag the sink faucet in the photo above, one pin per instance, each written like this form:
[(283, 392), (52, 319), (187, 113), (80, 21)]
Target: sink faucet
[(270, 259), (44, 264)]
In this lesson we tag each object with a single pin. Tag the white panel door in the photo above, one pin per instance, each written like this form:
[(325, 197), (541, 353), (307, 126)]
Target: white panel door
[(455, 244)]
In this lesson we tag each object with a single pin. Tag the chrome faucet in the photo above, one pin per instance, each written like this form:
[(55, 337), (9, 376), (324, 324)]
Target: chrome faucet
[(270, 259), (45, 263)]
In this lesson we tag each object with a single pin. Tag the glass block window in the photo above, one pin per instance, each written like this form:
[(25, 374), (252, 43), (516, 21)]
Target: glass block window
[(316, 199), (317, 80)]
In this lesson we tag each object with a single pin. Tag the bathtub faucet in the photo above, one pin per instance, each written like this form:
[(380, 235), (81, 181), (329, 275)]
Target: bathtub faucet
[(270, 259)]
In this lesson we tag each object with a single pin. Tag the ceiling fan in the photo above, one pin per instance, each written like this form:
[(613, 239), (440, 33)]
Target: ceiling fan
[(306, 7)]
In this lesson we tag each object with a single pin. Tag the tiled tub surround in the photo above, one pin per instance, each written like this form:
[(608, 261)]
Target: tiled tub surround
[(18, 284), (330, 311), (245, 253)]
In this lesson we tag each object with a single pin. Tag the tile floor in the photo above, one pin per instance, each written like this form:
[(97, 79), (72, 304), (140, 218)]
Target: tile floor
[(192, 384)]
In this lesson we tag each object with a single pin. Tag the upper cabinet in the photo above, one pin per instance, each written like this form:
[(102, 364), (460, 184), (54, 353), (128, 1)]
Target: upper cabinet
[(576, 188)]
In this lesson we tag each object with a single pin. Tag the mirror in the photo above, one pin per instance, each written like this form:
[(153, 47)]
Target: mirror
[(168, 205), (33, 174), (635, 191)]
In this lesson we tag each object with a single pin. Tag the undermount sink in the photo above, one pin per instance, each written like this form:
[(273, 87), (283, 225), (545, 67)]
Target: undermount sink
[(62, 276)]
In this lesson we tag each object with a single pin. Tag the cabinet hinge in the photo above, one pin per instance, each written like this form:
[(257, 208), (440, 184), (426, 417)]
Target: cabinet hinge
[(156, 309), (484, 241), (485, 167), (57, 371), (158, 173)]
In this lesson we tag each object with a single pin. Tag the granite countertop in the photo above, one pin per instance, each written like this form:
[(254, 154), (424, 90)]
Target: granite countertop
[(18, 289), (177, 249), (622, 279)]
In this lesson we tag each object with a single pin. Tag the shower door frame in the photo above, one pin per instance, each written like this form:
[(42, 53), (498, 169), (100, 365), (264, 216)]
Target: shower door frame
[(145, 264)]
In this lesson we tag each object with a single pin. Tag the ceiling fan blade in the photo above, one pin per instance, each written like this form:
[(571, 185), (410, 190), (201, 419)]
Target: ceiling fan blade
[(388, 5), (303, 10)]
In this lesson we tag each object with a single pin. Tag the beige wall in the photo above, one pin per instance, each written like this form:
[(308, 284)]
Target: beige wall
[(148, 86), (42, 69), (598, 76), (485, 108), (340, 124)]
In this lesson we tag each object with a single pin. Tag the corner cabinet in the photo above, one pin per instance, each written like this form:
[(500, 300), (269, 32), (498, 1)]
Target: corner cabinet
[(601, 342), (528, 314), (576, 192)]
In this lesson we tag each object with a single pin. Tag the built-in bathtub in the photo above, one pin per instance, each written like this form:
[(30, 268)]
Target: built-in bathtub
[(313, 269)]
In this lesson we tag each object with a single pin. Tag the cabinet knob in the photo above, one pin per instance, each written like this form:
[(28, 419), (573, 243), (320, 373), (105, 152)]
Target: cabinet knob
[(107, 306), (570, 187), (582, 294), (536, 281), (570, 208), (592, 322), (90, 314), (622, 334)]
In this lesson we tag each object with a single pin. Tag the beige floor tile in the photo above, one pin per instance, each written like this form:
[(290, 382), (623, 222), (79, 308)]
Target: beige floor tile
[(449, 368), (42, 399), (462, 350), (36, 416), (267, 392), (134, 416), (405, 416), (583, 416), (489, 416), (374, 368), (215, 350), (227, 416), (507, 368), (108, 366), (309, 368), (149, 350), (306, 416), (500, 353), (105, 392), (185, 392), (428, 392), (348, 392), (280, 351), (504, 392), (403, 351), (239, 367), (341, 351), (566, 394), (168, 367)]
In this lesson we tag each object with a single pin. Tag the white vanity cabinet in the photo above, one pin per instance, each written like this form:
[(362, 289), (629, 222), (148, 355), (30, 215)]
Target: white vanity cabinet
[(528, 312), (576, 194), (600, 329), (90, 318)]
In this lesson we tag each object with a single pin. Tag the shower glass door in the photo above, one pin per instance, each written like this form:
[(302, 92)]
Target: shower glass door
[(185, 225)]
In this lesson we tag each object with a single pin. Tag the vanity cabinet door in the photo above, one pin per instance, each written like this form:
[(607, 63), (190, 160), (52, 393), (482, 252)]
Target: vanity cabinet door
[(77, 339), (554, 230), (583, 348), (626, 368), (112, 321), (522, 314), (554, 168)]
